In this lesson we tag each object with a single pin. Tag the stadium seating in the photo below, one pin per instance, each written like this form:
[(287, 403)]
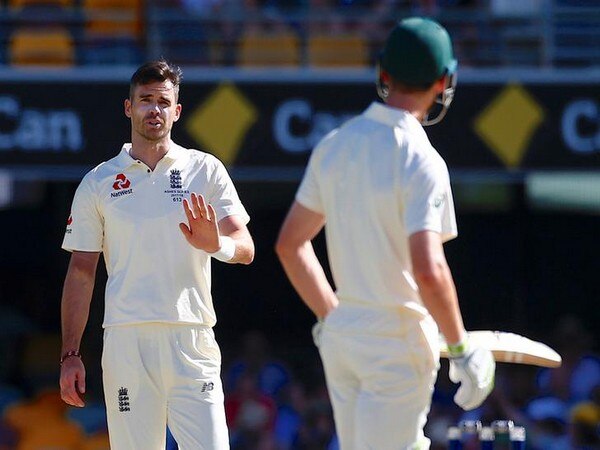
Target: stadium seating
[(495, 33), (42, 424), (38, 360), (112, 31), (41, 47), (280, 48), (46, 406), (98, 441), (91, 419), (53, 434), (185, 41), (110, 18), (18, 4), (8, 396), (349, 50)]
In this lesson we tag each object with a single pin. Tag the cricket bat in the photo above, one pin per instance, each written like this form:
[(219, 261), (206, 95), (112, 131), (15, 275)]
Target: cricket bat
[(511, 348)]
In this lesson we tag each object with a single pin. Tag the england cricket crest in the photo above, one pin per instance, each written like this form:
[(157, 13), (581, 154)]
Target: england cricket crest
[(176, 190), (124, 405)]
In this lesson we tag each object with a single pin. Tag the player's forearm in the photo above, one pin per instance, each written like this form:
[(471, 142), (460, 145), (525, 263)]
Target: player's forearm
[(75, 306), (438, 294), (244, 247), (308, 278)]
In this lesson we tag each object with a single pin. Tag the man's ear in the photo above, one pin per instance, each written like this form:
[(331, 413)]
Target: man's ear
[(383, 83), (385, 77), (177, 112), (440, 84), (127, 108)]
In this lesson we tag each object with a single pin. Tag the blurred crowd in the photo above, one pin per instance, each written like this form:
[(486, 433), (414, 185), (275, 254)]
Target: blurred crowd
[(313, 33), (277, 400), (346, 33)]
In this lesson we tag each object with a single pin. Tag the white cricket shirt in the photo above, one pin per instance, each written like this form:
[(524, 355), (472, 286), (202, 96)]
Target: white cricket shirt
[(377, 180), (132, 215)]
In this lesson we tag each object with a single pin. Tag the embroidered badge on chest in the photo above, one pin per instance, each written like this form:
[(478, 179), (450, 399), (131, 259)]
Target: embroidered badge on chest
[(176, 190)]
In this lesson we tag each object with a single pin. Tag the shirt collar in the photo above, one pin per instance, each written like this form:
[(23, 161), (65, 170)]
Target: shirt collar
[(175, 152), (125, 160), (393, 117)]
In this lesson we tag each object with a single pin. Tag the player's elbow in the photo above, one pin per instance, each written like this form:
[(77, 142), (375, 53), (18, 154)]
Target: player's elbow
[(247, 255), (281, 249), (431, 275), (250, 257), (246, 259), (284, 249)]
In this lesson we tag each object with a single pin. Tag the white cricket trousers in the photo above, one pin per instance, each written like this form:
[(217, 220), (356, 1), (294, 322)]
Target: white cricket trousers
[(157, 374), (381, 385)]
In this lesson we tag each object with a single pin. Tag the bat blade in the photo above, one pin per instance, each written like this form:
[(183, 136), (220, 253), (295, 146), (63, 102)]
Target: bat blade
[(511, 348)]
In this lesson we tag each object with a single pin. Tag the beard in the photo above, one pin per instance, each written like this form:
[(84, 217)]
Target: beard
[(151, 134)]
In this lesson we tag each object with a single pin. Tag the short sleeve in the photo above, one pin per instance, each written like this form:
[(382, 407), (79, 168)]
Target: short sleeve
[(84, 230), (224, 197), (308, 194), (428, 201)]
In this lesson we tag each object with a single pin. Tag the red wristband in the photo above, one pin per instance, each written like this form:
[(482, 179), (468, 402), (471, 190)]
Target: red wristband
[(69, 354)]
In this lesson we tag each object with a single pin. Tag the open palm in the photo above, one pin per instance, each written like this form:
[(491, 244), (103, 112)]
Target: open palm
[(202, 230)]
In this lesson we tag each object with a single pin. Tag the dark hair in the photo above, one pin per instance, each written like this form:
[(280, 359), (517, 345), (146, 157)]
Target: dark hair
[(153, 71)]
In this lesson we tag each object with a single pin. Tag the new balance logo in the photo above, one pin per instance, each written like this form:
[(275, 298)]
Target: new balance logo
[(206, 387), (124, 400)]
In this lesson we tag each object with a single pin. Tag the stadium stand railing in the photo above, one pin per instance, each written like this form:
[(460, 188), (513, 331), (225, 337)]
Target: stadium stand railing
[(551, 33)]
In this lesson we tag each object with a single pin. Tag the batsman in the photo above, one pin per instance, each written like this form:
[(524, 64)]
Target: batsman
[(383, 194)]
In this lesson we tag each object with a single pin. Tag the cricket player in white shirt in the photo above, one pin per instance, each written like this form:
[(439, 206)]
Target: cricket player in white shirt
[(159, 213), (383, 194)]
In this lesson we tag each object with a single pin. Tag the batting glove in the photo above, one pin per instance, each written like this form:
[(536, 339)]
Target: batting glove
[(474, 368), (317, 329)]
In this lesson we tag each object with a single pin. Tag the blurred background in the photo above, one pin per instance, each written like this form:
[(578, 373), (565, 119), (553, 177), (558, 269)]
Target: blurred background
[(264, 80)]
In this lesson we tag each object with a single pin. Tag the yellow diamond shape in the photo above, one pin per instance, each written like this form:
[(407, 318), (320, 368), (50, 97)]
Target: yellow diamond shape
[(222, 121), (507, 124)]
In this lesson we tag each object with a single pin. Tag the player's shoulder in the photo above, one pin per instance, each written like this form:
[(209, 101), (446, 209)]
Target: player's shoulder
[(93, 181), (361, 128), (108, 168), (197, 155), (421, 156), (426, 153), (340, 134), (352, 126), (203, 159), (418, 146)]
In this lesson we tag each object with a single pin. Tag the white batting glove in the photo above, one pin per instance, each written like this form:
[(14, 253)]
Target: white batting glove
[(317, 329), (474, 368)]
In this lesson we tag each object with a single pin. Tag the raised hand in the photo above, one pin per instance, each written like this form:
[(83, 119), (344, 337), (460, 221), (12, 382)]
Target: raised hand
[(202, 230)]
